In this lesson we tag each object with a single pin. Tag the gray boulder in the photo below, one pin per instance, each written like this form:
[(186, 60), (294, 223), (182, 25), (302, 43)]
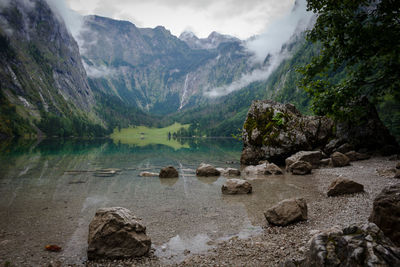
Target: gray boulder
[(352, 246), (236, 186), (386, 212), (345, 148), (355, 156), (229, 171), (312, 157), (115, 233), (300, 168), (255, 170), (287, 211), (325, 162), (168, 172), (339, 159), (207, 170), (368, 133), (274, 131), (272, 169), (343, 186)]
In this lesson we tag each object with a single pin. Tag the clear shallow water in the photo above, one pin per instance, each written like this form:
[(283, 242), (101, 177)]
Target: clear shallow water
[(42, 202)]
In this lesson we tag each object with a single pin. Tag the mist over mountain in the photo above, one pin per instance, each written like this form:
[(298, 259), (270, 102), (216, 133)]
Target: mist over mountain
[(41, 71), (69, 71), (153, 69)]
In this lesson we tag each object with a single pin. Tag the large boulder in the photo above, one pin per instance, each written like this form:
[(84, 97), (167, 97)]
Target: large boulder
[(312, 157), (352, 246), (168, 172), (343, 186), (236, 186), (207, 170), (115, 233), (368, 132), (287, 211), (386, 212), (300, 168), (274, 131), (339, 160)]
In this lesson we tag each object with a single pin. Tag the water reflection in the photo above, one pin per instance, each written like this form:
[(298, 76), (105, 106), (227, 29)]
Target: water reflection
[(48, 191)]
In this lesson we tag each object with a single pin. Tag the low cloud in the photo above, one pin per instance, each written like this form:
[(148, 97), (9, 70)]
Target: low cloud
[(72, 19), (279, 32), (93, 71), (248, 78), (269, 44)]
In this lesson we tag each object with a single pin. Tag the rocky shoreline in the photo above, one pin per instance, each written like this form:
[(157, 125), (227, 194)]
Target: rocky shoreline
[(277, 244)]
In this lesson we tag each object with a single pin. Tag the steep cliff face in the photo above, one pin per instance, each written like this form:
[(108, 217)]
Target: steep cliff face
[(154, 70), (41, 71)]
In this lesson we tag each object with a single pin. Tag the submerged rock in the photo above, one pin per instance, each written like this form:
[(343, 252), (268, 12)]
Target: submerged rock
[(115, 233), (207, 170), (287, 211), (343, 186), (352, 246), (149, 174), (168, 172), (236, 186), (109, 172), (300, 168), (339, 159), (386, 212), (275, 131)]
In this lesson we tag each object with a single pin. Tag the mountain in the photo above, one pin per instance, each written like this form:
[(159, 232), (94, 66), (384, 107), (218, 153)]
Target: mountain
[(42, 79), (154, 70), (225, 116), (211, 42)]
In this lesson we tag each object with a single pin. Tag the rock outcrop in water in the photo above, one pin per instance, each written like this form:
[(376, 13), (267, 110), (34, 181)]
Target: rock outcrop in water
[(116, 233), (274, 131)]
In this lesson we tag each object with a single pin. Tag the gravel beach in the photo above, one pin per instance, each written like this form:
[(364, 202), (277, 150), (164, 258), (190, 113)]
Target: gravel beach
[(278, 244)]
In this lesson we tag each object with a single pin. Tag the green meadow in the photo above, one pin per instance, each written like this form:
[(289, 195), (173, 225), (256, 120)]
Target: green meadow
[(143, 136)]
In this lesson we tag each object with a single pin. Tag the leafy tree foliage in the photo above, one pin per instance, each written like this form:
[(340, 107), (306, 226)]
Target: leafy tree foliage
[(361, 37)]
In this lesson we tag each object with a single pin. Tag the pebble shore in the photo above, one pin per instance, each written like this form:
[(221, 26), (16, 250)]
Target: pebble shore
[(278, 244)]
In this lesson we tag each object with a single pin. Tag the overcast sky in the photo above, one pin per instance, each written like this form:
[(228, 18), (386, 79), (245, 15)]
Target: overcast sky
[(240, 18)]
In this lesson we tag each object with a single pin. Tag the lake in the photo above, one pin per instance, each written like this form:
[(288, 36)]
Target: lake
[(49, 194)]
